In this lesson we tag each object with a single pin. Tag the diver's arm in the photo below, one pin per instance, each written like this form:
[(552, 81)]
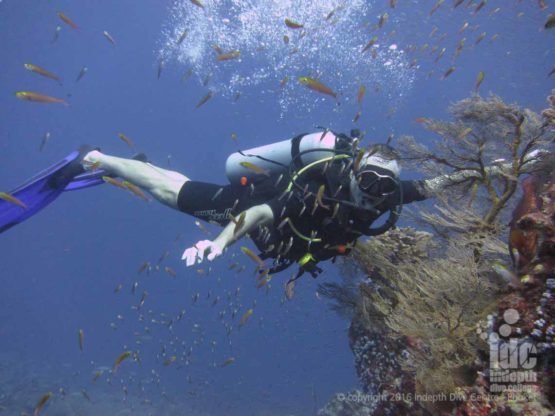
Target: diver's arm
[(430, 188), (254, 217)]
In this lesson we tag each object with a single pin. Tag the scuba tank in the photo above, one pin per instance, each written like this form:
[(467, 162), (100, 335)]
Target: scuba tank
[(276, 158)]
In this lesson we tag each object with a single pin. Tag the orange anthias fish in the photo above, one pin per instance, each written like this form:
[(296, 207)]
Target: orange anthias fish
[(41, 403), (39, 98), (228, 56), (253, 257), (123, 356), (68, 21), (41, 71), (12, 199), (245, 317), (204, 99), (135, 190), (293, 25), (115, 182), (127, 140), (360, 93), (316, 85)]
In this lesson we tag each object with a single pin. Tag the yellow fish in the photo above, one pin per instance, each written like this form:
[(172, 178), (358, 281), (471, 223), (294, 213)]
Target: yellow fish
[(12, 199), (228, 56), (293, 25), (253, 257), (41, 71), (245, 317), (238, 222), (127, 140), (319, 196), (67, 20), (122, 357), (135, 190), (170, 360), (479, 80), (97, 375), (39, 98), (464, 133), (316, 85), (360, 93), (256, 169), (115, 182), (264, 281)]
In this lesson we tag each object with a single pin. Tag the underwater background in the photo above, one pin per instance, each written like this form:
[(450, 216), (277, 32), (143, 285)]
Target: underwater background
[(75, 266)]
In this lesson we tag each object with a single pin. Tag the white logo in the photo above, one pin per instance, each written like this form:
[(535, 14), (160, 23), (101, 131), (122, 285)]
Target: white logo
[(512, 359)]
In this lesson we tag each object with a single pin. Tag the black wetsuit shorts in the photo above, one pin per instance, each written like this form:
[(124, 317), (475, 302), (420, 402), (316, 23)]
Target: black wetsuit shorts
[(215, 203)]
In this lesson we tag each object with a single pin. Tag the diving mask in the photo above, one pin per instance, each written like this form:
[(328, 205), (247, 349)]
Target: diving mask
[(376, 182)]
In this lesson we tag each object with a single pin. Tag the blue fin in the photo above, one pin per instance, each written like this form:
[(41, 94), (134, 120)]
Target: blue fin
[(45, 187)]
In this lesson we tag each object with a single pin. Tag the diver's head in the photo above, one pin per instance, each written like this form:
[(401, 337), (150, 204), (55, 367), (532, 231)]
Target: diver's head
[(376, 177)]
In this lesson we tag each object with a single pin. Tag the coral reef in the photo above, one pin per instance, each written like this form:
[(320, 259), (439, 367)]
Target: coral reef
[(441, 314), (524, 320)]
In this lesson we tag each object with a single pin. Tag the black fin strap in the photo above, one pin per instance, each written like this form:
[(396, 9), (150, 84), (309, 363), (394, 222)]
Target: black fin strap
[(296, 150)]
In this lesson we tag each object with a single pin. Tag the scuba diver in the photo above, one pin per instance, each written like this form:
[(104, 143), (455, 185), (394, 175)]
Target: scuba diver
[(303, 200)]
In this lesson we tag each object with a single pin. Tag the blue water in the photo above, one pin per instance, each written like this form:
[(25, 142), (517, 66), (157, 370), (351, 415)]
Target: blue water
[(58, 270)]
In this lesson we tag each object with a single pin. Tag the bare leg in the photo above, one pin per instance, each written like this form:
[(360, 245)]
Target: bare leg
[(163, 184)]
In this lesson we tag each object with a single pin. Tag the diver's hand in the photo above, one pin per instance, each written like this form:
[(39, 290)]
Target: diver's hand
[(199, 250)]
